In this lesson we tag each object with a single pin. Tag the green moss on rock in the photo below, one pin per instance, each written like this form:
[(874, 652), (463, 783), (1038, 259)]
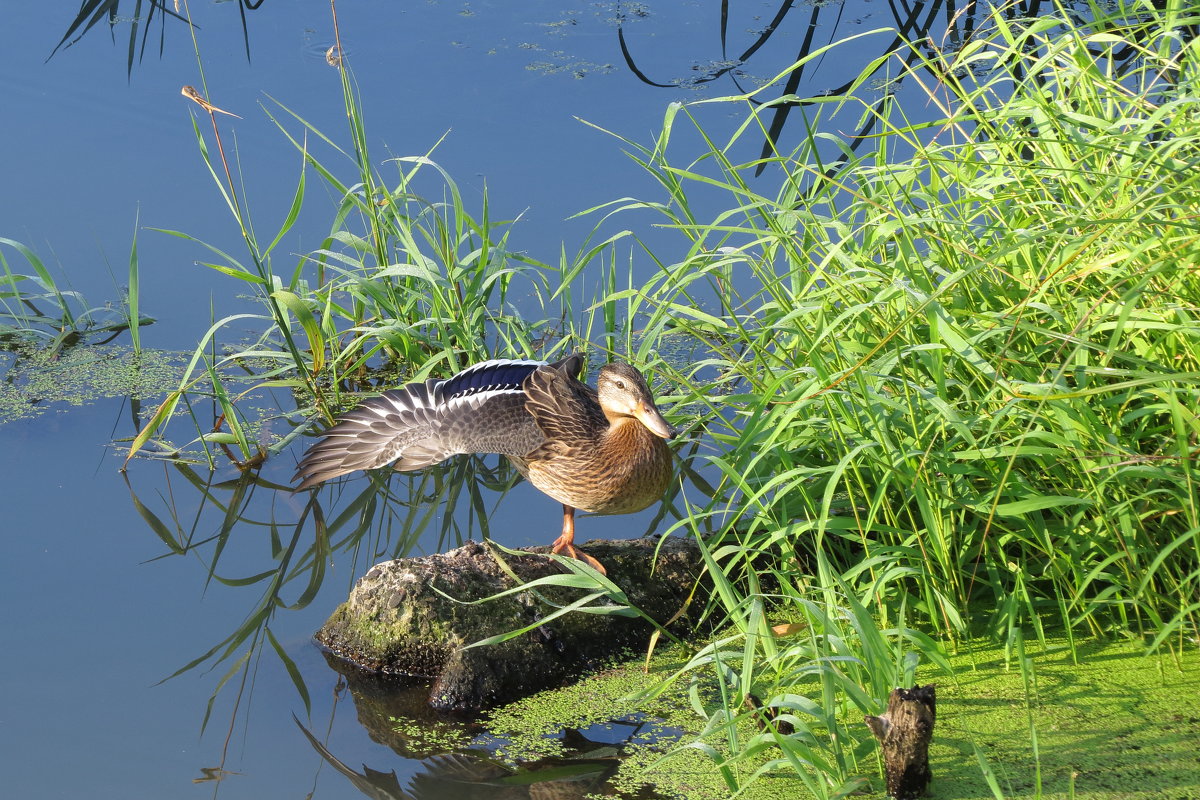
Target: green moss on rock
[(418, 617)]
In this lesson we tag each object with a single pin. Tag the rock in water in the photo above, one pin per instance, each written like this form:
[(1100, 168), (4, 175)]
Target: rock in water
[(412, 617)]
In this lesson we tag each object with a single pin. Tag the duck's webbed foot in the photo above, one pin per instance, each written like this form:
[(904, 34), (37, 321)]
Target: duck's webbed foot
[(566, 542)]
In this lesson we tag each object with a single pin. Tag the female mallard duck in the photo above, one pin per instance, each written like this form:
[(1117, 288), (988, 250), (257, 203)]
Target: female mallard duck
[(598, 450)]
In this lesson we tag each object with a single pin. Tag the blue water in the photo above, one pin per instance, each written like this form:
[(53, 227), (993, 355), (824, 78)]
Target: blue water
[(96, 617)]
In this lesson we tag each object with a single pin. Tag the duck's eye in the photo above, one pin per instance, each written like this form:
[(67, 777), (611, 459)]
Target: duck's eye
[(620, 384)]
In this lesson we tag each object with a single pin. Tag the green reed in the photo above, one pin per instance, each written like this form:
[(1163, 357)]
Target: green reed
[(408, 281), (37, 314), (953, 378), (976, 364)]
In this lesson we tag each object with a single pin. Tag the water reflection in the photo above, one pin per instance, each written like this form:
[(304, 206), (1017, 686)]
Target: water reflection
[(780, 59), (822, 23), (919, 35), (475, 776), (141, 17), (225, 522), (400, 720)]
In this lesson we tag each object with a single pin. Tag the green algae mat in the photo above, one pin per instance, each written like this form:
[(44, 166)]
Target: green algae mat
[(1104, 722), (1110, 722)]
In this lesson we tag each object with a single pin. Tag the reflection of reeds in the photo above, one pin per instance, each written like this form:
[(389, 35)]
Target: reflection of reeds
[(918, 36), (910, 23), (380, 520), (142, 16)]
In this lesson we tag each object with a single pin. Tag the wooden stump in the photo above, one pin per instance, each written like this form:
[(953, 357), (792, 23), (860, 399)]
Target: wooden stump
[(904, 733)]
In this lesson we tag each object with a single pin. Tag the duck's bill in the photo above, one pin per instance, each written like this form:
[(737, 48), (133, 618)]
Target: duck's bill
[(648, 415)]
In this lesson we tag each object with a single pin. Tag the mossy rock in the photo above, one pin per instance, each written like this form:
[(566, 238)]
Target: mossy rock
[(416, 617)]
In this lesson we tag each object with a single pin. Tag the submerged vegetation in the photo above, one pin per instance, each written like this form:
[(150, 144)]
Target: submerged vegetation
[(951, 379)]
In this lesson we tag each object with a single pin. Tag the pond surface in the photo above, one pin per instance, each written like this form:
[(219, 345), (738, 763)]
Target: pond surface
[(113, 582)]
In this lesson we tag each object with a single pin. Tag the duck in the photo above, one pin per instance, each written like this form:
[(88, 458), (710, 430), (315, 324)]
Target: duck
[(602, 450)]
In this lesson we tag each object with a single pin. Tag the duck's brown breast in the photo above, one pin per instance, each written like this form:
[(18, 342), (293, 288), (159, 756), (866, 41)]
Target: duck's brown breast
[(626, 470)]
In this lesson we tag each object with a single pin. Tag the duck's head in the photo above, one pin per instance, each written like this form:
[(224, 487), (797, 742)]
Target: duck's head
[(623, 393)]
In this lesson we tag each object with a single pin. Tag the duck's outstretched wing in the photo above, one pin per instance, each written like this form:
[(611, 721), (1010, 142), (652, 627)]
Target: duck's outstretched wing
[(479, 410)]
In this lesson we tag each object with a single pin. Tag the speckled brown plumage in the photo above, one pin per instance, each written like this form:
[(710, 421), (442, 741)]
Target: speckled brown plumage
[(599, 450)]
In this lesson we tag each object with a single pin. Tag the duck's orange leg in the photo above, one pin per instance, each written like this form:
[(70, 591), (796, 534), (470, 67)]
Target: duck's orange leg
[(567, 541)]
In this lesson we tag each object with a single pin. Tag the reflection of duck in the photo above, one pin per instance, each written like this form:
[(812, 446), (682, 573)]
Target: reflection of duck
[(598, 450)]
